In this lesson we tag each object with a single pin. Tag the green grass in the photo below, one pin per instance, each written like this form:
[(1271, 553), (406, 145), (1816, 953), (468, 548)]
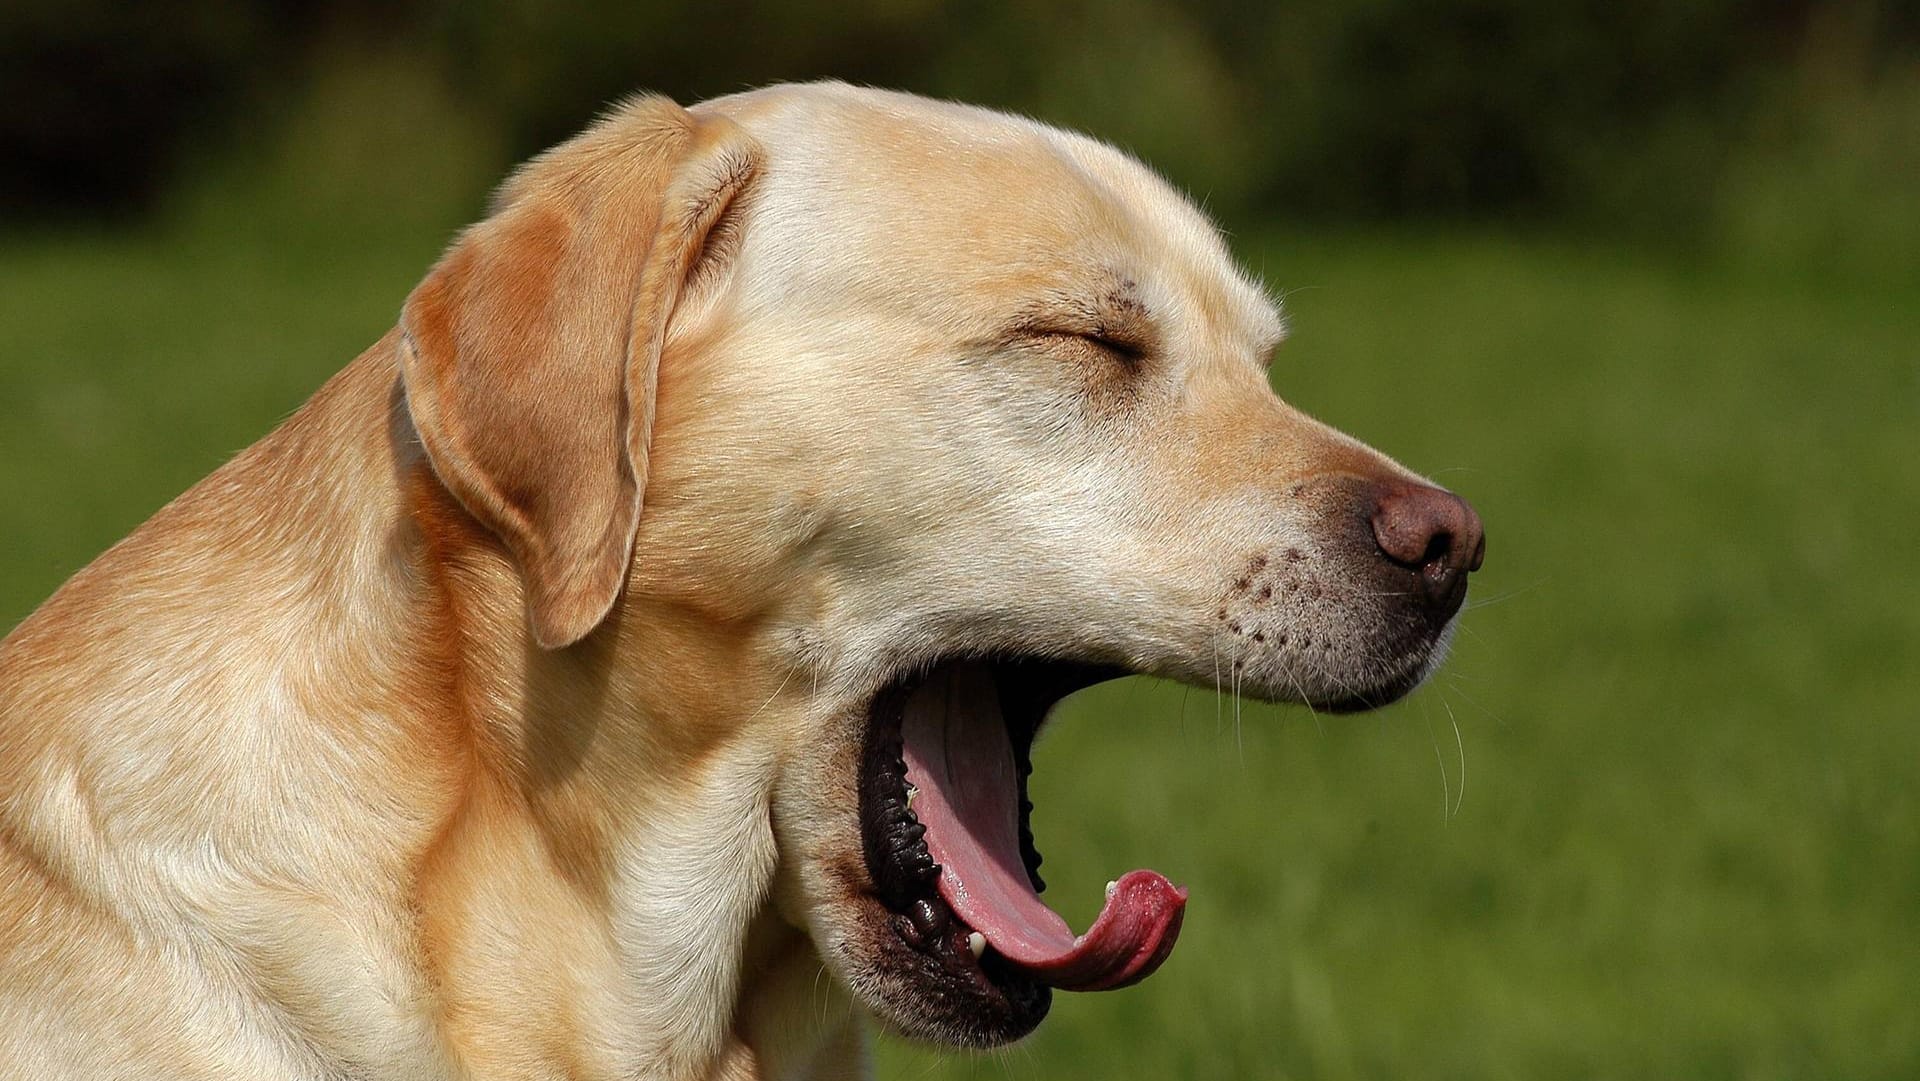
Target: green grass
[(1657, 819)]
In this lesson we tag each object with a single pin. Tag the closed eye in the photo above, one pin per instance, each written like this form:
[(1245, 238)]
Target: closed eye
[(1122, 349)]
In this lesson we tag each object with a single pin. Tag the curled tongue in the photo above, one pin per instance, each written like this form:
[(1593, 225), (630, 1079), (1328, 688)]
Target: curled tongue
[(960, 759)]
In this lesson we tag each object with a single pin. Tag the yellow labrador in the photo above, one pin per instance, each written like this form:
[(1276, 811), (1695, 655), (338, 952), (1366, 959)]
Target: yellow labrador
[(662, 613)]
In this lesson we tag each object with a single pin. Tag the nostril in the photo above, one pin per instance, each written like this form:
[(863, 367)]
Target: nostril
[(1428, 530), (1408, 527), (1434, 560), (1432, 534)]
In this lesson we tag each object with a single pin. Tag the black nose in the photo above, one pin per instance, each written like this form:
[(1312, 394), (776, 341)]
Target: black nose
[(1434, 534)]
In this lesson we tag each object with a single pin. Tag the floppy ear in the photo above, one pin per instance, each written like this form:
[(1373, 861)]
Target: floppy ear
[(530, 352)]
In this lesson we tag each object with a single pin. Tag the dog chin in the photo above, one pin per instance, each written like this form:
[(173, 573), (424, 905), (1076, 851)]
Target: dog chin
[(922, 998), (1379, 685)]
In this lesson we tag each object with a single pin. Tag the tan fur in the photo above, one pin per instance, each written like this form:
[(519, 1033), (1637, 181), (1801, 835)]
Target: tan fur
[(493, 717)]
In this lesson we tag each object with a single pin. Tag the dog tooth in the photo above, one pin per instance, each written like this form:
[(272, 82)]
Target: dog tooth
[(1111, 886), (976, 944), (912, 793)]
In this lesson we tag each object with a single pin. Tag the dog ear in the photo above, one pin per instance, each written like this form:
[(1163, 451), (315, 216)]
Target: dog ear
[(531, 350)]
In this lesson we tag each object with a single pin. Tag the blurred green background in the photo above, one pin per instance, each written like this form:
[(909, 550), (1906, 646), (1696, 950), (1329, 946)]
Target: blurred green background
[(1640, 279)]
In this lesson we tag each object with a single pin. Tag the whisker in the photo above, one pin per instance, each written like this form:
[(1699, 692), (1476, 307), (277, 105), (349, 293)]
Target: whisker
[(774, 695), (1350, 589), (1346, 689), (1469, 628), (1001, 1055), (1462, 691), (1319, 723), (1500, 598), (816, 996), (1460, 745), (1216, 685), (1238, 664), (1446, 784)]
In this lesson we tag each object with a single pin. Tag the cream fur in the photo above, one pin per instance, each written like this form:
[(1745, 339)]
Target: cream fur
[(288, 787)]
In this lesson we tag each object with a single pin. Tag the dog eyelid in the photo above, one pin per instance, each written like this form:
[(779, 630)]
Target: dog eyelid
[(1123, 348)]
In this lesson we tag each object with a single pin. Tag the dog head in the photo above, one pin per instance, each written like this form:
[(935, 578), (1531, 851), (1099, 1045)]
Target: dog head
[(938, 415)]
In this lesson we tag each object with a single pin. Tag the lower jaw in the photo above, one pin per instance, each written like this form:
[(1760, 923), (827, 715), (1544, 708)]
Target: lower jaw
[(943, 992), (1372, 699), (1430, 652), (921, 998)]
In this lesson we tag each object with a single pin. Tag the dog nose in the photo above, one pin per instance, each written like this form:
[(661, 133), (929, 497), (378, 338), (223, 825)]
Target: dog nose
[(1433, 533)]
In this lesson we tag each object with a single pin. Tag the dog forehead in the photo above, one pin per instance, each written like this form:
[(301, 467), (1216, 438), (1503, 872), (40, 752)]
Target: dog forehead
[(887, 193)]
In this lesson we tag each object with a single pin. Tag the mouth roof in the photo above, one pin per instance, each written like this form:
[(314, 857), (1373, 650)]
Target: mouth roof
[(965, 783)]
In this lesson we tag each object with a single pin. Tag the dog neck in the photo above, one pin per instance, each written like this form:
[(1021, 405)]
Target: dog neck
[(611, 856), (436, 849)]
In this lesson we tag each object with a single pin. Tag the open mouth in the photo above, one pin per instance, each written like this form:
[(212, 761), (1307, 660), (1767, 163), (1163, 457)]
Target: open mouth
[(949, 846)]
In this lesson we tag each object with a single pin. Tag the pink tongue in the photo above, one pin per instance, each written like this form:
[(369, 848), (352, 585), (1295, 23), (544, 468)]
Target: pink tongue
[(959, 757)]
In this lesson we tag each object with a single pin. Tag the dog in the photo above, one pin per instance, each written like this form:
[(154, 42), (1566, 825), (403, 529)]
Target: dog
[(627, 667)]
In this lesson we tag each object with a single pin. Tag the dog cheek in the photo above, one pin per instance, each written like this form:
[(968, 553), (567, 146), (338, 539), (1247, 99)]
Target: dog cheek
[(816, 822)]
